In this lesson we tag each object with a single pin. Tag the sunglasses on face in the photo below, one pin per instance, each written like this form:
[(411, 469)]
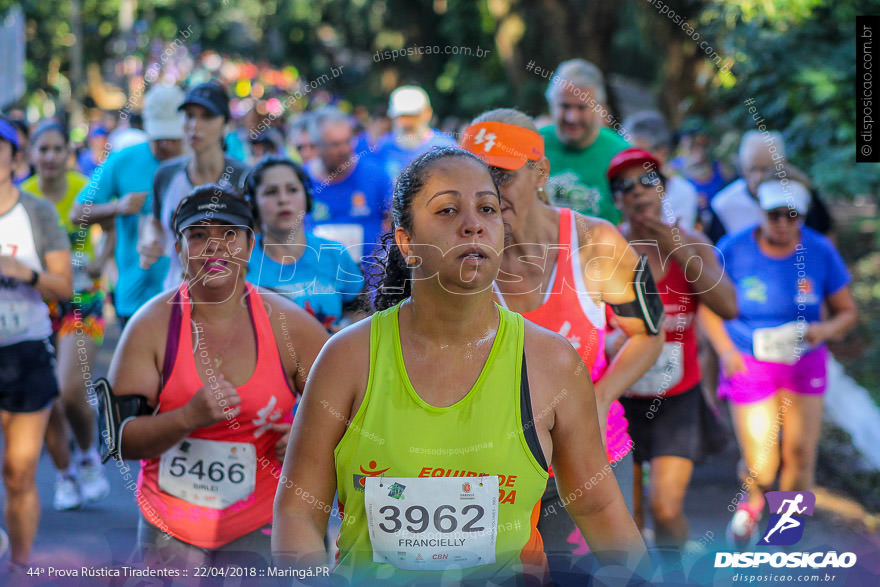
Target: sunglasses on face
[(625, 186), (782, 213)]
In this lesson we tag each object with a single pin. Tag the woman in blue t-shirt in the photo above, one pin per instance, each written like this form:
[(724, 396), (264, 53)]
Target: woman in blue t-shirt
[(773, 354), (316, 273)]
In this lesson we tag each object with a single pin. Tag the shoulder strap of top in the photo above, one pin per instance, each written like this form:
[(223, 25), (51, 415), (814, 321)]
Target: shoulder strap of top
[(527, 418), (596, 314), (384, 324), (565, 217), (172, 340), (265, 335), (499, 295)]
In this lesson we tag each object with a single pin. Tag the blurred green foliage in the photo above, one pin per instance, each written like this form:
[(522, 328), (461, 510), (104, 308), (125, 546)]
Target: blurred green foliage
[(795, 58), (798, 63), (864, 345)]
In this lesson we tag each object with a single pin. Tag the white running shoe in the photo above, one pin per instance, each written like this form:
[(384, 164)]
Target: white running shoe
[(742, 531), (93, 483), (67, 495)]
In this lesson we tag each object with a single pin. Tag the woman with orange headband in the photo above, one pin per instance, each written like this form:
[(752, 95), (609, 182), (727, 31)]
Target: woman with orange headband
[(559, 269)]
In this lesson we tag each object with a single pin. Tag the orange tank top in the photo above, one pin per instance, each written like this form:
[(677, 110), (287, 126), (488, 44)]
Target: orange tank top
[(185, 491)]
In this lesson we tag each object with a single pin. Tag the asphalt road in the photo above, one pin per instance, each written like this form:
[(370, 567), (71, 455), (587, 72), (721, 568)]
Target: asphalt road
[(102, 536)]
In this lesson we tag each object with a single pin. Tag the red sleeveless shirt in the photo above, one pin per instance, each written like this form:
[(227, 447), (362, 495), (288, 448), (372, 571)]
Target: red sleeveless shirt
[(678, 367)]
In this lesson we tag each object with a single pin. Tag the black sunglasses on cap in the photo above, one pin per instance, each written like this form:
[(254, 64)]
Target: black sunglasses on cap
[(625, 186)]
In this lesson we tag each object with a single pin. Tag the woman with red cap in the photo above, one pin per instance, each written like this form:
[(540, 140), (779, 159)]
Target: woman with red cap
[(559, 269), (665, 408)]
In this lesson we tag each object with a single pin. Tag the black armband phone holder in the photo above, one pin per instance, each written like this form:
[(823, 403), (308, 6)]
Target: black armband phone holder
[(648, 304), (113, 412)]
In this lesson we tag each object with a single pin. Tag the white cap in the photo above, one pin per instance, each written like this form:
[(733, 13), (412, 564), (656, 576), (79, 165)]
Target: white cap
[(784, 194), (122, 138), (161, 118), (407, 101)]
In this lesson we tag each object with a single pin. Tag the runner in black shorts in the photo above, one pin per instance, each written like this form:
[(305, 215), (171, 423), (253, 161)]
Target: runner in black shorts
[(665, 407), (77, 327), (35, 264)]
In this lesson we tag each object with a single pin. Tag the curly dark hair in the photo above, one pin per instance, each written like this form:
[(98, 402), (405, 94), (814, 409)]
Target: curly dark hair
[(389, 277)]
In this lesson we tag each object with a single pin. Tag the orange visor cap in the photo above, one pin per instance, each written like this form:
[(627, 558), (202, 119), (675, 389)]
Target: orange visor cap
[(503, 145)]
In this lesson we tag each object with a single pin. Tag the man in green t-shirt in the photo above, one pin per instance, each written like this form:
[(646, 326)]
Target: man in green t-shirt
[(578, 143)]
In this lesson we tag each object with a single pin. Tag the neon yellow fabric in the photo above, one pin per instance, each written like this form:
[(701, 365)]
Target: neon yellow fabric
[(80, 240), (396, 433)]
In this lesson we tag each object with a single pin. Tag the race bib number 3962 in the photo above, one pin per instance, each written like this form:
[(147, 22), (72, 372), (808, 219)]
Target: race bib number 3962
[(209, 473), (432, 523)]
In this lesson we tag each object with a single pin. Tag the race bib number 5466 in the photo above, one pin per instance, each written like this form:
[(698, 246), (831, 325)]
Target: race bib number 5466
[(209, 473), (432, 523)]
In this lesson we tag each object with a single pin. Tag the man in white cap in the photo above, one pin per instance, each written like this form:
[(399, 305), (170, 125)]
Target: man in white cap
[(762, 154), (736, 206), (411, 134), (121, 188)]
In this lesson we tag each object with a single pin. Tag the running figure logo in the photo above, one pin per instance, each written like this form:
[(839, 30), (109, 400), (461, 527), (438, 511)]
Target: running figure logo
[(787, 508)]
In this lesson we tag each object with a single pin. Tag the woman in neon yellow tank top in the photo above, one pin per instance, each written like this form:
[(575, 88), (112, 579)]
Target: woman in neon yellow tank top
[(436, 419)]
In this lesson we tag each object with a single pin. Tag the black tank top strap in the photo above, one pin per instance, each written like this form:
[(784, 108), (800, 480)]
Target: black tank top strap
[(527, 418), (173, 338)]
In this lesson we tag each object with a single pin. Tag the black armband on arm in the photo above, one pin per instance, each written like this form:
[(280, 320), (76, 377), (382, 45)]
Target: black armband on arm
[(113, 412), (648, 304)]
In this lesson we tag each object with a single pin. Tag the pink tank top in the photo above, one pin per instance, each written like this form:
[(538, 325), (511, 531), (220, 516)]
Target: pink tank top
[(569, 310), (195, 466)]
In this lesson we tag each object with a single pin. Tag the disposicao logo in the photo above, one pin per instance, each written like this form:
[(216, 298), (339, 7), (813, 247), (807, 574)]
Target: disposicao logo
[(785, 528)]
